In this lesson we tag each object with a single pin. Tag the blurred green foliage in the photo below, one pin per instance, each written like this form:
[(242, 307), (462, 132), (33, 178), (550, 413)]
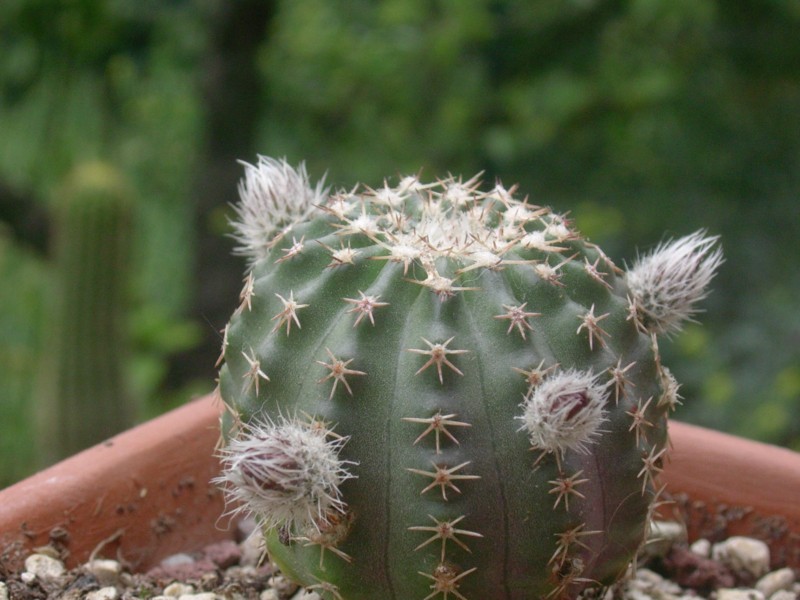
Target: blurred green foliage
[(647, 118)]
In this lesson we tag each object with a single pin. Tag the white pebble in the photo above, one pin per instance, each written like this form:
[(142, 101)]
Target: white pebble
[(43, 567), (282, 585), (237, 572), (667, 530), (633, 594), (200, 596), (3, 591), (739, 594), (783, 595), (176, 560), (701, 547), (647, 585), (782, 579), (253, 549), (176, 590), (27, 577), (106, 593), (306, 595), (661, 536), (269, 595), (743, 554), (107, 572)]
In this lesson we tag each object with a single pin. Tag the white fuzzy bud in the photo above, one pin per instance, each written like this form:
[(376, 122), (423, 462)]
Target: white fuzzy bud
[(286, 474), (273, 197), (565, 411), (667, 284)]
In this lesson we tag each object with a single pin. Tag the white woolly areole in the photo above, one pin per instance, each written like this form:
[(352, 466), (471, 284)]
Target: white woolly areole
[(273, 197), (565, 411), (285, 474), (667, 283)]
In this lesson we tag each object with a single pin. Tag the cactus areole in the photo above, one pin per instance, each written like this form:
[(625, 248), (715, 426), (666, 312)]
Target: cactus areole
[(438, 391)]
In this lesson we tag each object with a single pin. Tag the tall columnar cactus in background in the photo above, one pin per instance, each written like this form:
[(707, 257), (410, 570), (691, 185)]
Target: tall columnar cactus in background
[(434, 391), (82, 396)]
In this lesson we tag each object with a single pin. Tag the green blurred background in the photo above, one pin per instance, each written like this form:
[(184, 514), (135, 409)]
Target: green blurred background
[(646, 119)]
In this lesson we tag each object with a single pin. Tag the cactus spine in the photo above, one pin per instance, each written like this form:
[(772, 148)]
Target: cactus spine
[(440, 392), (83, 398)]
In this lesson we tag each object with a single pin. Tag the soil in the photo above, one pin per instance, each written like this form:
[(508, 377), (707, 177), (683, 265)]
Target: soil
[(235, 571)]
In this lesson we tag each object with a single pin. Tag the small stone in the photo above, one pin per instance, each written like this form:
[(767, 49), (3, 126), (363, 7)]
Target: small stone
[(105, 593), (27, 577), (47, 551), (282, 585), (269, 595), (208, 581), (783, 595), (306, 595), (44, 567), (176, 590), (223, 554), (739, 594), (175, 560), (647, 584), (253, 549), (236, 572), (648, 594), (743, 555), (199, 596), (776, 581), (701, 547), (107, 572), (662, 536), (695, 572), (647, 576), (3, 591), (182, 567)]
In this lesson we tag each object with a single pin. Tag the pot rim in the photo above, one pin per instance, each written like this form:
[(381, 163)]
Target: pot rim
[(146, 493)]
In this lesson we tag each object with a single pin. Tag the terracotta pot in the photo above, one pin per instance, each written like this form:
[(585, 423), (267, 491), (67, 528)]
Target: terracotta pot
[(141, 495), (145, 493)]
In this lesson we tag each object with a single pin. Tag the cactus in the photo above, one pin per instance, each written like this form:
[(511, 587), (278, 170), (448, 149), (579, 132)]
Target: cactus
[(83, 398), (434, 391)]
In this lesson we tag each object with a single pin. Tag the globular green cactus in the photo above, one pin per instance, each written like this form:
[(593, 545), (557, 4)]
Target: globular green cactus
[(434, 391)]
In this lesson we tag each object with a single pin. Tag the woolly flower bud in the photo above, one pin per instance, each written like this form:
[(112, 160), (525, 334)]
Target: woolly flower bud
[(286, 474), (666, 284), (564, 411), (273, 197)]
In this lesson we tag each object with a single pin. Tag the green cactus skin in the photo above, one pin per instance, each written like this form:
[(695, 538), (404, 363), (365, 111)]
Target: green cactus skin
[(83, 398), (410, 329)]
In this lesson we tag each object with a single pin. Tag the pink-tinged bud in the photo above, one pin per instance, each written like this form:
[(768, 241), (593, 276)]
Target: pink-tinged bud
[(287, 474), (564, 412), (273, 197), (667, 284)]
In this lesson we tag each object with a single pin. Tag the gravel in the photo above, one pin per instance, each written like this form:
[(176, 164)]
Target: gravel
[(670, 569)]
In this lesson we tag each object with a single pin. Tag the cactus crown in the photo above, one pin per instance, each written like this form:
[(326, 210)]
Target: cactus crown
[(478, 404)]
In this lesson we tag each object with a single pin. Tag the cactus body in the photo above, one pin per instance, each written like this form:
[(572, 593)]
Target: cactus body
[(486, 408), (83, 398)]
